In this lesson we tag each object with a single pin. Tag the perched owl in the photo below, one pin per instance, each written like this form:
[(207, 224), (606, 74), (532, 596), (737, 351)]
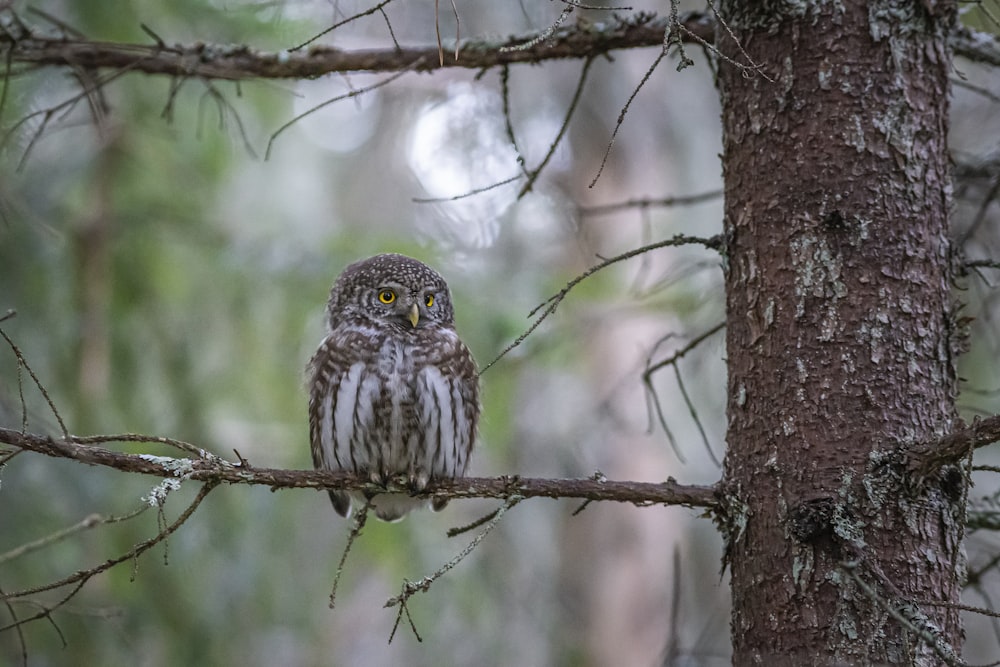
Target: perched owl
[(392, 389)]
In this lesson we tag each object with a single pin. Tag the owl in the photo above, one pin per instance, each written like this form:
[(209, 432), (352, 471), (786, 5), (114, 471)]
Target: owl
[(393, 391)]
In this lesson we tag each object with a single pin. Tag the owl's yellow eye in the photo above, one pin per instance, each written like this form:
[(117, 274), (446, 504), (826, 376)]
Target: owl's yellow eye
[(429, 300), (387, 296)]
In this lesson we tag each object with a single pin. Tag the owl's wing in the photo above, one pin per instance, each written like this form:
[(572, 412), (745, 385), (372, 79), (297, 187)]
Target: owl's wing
[(326, 371)]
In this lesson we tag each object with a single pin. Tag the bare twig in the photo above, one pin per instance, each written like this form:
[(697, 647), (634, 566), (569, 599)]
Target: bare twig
[(673, 37), (623, 112), (550, 304), (78, 579), (653, 399), (87, 523), (980, 216), (20, 633), (994, 622), (678, 354), (226, 110), (983, 264), (694, 416), (357, 525), (534, 173), (711, 46), (540, 37), (646, 203), (23, 363), (51, 112), (458, 530), (155, 439), (437, 33), (470, 193), (508, 125), (368, 12), (908, 615), (412, 587), (958, 605), (348, 95)]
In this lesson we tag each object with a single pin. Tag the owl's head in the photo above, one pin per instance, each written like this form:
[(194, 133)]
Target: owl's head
[(391, 289)]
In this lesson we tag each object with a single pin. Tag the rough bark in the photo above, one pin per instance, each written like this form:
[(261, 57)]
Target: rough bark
[(839, 334)]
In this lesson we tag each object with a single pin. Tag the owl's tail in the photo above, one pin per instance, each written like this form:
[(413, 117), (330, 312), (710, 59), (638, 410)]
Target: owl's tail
[(390, 507)]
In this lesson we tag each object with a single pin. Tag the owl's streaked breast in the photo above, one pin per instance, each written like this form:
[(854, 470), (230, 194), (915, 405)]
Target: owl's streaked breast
[(395, 415)]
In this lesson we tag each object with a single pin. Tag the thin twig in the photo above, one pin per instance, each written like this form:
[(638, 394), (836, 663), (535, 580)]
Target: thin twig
[(673, 37), (22, 362), (458, 28), (437, 33), (540, 37), (907, 615), (157, 439), (714, 48), (392, 33), (653, 399), (678, 354), (646, 203), (458, 530), (980, 216), (20, 632), (348, 95), (534, 173), (349, 19), (80, 578), (694, 416), (357, 525), (508, 125), (226, 109), (623, 112), (550, 304), (87, 523), (412, 587), (470, 193), (50, 112), (983, 264)]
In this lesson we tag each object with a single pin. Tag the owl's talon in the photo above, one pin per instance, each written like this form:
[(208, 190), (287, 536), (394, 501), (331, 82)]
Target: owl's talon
[(418, 481)]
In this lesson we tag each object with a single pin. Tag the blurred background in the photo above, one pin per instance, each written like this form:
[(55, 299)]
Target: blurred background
[(170, 280)]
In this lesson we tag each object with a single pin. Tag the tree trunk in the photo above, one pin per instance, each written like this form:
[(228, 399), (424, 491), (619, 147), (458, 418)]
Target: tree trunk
[(839, 333)]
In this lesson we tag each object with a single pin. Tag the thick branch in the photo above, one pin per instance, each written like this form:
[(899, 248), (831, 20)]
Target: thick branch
[(241, 62), (926, 458), (214, 469), (976, 46)]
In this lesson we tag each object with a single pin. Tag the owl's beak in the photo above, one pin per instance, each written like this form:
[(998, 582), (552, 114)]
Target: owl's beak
[(414, 315)]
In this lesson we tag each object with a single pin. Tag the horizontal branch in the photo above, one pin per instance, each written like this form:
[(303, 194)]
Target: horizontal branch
[(239, 62), (926, 458), (212, 61), (215, 469), (981, 47)]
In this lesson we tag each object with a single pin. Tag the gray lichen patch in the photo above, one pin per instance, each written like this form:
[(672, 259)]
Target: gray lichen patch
[(818, 268)]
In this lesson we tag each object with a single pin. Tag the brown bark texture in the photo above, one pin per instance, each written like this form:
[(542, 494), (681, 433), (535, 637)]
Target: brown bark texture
[(839, 334)]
